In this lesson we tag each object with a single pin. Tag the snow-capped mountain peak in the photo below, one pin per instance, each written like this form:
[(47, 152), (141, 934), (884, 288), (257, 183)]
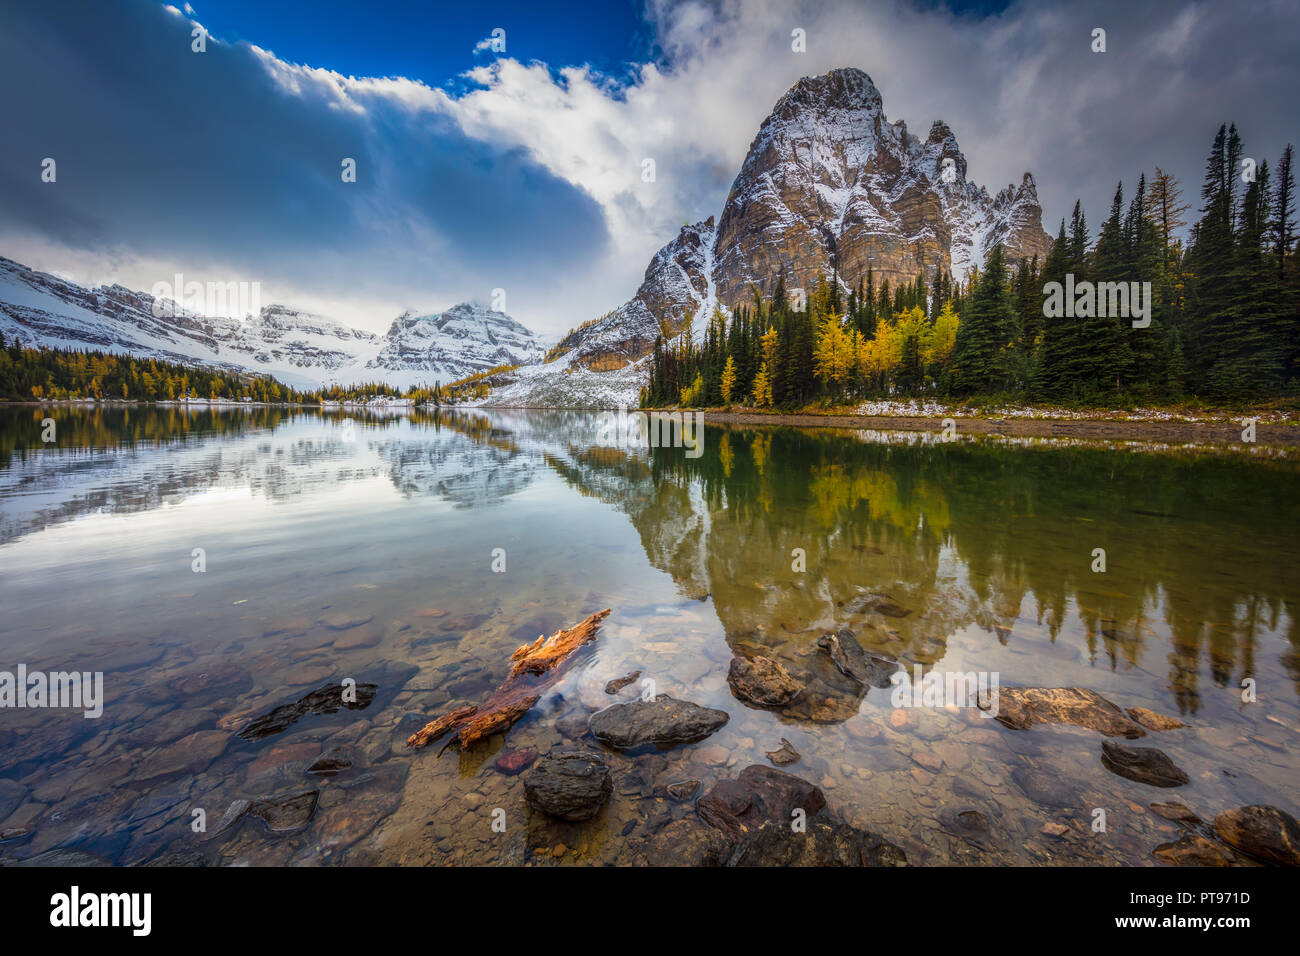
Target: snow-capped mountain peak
[(829, 187)]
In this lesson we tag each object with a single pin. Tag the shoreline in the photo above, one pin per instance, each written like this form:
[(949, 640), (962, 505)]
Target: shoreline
[(1220, 431), (1223, 432)]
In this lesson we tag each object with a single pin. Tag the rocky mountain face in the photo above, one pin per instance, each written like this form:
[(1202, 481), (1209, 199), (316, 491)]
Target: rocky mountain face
[(298, 348), (445, 344), (677, 285), (829, 186)]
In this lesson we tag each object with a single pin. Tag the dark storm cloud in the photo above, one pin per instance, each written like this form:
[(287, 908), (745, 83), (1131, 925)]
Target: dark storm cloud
[(227, 157)]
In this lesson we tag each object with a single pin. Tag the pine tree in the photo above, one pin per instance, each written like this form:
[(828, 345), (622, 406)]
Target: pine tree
[(983, 337), (1054, 372)]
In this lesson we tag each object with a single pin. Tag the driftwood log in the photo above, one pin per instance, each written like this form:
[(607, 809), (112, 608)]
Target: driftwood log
[(533, 668)]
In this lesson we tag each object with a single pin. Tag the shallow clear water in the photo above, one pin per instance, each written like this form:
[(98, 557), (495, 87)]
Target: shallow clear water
[(363, 547)]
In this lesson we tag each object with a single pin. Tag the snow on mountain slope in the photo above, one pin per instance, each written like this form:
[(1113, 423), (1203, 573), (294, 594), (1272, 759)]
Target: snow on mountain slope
[(829, 186), (442, 346), (298, 348), (566, 383)]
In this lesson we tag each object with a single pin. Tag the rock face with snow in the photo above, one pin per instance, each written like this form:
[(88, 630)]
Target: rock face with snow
[(298, 348), (829, 186), (677, 285), (448, 345)]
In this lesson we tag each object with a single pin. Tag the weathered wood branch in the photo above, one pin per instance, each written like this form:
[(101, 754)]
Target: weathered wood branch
[(533, 667)]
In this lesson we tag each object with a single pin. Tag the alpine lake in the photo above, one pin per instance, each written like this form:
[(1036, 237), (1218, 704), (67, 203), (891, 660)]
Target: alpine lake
[(231, 569)]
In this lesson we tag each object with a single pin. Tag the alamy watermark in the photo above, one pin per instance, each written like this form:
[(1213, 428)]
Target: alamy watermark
[(624, 429), (58, 689), (950, 689), (1122, 300), (238, 299)]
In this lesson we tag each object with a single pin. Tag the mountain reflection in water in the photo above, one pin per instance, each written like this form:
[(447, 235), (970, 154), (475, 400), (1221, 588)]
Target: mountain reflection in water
[(350, 543)]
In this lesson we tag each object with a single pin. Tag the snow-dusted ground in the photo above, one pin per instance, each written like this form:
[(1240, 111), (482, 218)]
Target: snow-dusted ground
[(932, 409), (564, 384)]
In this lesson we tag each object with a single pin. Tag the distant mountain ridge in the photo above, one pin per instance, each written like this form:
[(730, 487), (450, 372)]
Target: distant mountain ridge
[(298, 348)]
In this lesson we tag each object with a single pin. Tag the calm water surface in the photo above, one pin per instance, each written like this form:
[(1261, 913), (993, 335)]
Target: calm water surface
[(363, 547)]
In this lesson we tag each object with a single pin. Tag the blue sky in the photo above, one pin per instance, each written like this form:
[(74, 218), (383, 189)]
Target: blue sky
[(434, 41), (521, 170)]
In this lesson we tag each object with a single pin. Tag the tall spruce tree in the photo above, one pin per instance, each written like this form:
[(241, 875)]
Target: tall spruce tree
[(981, 353)]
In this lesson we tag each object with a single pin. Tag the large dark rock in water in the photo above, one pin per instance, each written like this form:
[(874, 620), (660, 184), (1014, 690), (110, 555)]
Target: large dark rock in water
[(1022, 707), (756, 796), (664, 722), (1143, 764), (823, 843), (688, 843), (762, 681), (852, 661), (1265, 833), (572, 786)]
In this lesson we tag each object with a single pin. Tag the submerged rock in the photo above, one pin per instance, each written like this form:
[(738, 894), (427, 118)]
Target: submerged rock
[(330, 763), (688, 843), (370, 798), (1046, 788), (851, 660), (822, 843), (207, 683), (762, 681), (326, 699), (285, 814), (1022, 707), (785, 754), (234, 813), (971, 825), (875, 601), (1143, 764), (513, 762), (758, 795), (664, 722), (1265, 833), (12, 795), (190, 755), (618, 683), (63, 858), (1192, 849), (1173, 810), (188, 858), (572, 786), (14, 834), (1153, 721), (683, 790), (172, 725)]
